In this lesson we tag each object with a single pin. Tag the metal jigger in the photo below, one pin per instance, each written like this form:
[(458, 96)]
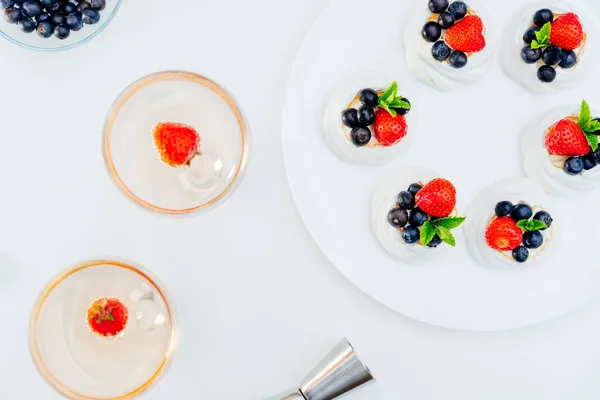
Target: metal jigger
[(337, 374)]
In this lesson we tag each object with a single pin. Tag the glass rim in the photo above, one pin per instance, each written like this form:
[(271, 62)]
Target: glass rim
[(84, 40), (162, 76), (34, 345)]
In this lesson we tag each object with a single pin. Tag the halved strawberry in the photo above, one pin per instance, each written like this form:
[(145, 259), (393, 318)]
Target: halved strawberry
[(437, 198), (107, 316), (567, 32), (176, 143), (389, 130), (566, 138), (466, 35), (503, 234)]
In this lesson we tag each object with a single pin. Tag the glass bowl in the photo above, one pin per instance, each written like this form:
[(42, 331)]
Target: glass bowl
[(33, 41), (133, 158), (83, 363)]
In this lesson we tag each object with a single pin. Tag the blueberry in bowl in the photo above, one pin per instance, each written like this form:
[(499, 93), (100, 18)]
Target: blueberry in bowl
[(54, 25)]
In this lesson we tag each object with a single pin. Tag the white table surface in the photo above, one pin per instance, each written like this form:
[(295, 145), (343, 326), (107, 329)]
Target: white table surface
[(258, 302)]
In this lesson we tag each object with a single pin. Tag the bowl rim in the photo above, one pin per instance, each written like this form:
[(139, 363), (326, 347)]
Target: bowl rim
[(86, 39)]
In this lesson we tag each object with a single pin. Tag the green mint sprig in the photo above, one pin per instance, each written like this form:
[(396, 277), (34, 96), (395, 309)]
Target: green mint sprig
[(389, 100), (590, 127), (440, 227), (542, 37), (531, 226)]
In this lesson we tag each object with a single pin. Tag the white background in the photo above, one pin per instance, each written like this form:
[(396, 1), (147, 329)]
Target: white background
[(258, 302)]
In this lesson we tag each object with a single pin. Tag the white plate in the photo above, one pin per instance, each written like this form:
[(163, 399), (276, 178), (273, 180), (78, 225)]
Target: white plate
[(470, 135)]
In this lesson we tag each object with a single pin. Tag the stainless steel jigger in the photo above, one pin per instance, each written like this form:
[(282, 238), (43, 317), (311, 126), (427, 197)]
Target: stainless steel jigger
[(337, 374)]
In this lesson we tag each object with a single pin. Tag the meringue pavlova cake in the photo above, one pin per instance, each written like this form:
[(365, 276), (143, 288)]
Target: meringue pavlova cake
[(508, 224), (413, 214), (446, 44), (368, 124), (549, 46), (560, 151)]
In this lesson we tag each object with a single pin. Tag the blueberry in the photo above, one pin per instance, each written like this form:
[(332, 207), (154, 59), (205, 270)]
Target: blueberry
[(520, 254), (13, 15), (7, 3), (68, 8), (397, 218), (403, 111), (552, 55), (45, 29), (435, 242), (74, 21), (62, 32), (46, 3), (360, 136), (569, 59), (588, 161), (405, 201), (417, 217), (91, 16), (366, 116), (27, 24), (369, 97), (57, 19), (529, 55), (350, 118), (411, 234), (546, 74), (504, 208), (440, 51), (533, 240), (52, 8), (597, 156), (446, 20), (574, 166), (42, 17), (529, 35), (32, 8), (542, 16), (19, 2), (545, 217), (458, 9), (458, 59), (521, 211), (83, 5), (98, 4), (438, 6), (431, 31), (414, 188)]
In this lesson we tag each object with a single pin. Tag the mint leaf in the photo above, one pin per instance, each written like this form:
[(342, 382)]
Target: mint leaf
[(449, 222), (530, 226), (399, 103), (524, 225), (427, 233), (389, 95), (593, 127), (388, 109), (446, 235), (592, 140), (542, 36), (585, 116)]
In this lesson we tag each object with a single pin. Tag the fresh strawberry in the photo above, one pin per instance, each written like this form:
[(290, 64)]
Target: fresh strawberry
[(437, 198), (107, 316), (503, 234), (566, 138), (389, 130), (466, 35), (176, 143), (567, 32)]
